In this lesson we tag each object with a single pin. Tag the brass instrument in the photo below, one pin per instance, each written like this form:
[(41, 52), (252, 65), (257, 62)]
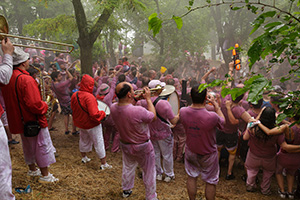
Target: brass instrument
[(4, 33), (152, 90)]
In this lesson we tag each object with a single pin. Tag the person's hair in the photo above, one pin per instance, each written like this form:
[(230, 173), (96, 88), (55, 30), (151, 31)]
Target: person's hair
[(123, 91), (170, 81), (197, 97), (133, 72), (124, 59), (57, 54), (121, 78), (143, 69), (71, 70), (32, 71), (258, 105), (145, 81), (238, 99), (54, 75), (268, 119)]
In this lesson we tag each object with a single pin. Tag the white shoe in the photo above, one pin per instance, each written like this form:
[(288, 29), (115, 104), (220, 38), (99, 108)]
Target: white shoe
[(85, 159), (159, 177), (48, 179), (105, 166), (169, 178), (37, 172)]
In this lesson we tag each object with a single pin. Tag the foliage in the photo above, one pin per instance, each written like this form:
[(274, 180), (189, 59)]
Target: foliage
[(281, 26)]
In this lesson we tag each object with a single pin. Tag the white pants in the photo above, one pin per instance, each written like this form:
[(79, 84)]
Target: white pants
[(5, 167), (164, 148), (90, 137)]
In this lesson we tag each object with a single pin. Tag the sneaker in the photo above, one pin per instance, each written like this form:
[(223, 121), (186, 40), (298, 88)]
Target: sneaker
[(159, 177), (249, 188), (13, 142), (75, 133), (48, 179), (281, 194), (67, 132), (85, 159), (169, 178), (230, 177), (126, 193), (290, 195), (105, 166), (37, 172)]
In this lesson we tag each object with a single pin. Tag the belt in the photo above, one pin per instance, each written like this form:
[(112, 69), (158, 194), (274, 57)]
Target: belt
[(134, 143)]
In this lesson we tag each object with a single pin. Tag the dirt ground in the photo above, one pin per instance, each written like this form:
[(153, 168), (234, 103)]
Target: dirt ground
[(87, 181)]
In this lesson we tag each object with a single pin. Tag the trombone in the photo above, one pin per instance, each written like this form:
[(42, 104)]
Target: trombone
[(4, 33)]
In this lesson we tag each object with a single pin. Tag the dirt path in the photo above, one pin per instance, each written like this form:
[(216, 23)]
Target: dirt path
[(87, 181)]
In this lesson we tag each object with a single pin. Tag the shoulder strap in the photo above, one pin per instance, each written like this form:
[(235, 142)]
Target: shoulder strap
[(154, 103), (18, 97), (79, 103)]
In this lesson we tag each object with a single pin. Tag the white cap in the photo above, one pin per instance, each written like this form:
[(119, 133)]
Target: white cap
[(154, 83), (19, 56)]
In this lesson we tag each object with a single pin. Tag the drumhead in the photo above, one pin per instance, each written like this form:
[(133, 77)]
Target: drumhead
[(174, 102), (102, 106)]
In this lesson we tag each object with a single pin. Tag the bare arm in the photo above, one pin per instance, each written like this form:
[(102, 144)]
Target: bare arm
[(274, 131), (147, 97), (69, 74), (231, 118), (246, 117), (175, 119), (246, 135), (290, 148), (204, 77)]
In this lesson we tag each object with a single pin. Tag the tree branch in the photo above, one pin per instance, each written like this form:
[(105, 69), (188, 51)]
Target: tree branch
[(250, 3)]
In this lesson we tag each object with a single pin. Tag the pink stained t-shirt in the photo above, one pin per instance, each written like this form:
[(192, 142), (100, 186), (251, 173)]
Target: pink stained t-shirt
[(237, 112), (132, 123), (200, 127), (160, 130), (264, 149)]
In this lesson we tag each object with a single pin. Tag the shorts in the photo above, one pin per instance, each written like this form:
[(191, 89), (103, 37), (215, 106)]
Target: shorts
[(66, 110), (205, 165), (230, 141)]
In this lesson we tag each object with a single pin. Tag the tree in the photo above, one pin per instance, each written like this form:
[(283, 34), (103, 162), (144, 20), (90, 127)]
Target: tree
[(279, 39)]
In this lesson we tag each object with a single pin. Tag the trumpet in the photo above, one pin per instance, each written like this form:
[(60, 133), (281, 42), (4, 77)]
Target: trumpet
[(4, 34), (152, 90)]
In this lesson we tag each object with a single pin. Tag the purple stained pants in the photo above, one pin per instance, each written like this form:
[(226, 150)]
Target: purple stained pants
[(142, 155), (179, 141), (5, 167), (39, 149), (111, 131), (164, 148), (253, 164)]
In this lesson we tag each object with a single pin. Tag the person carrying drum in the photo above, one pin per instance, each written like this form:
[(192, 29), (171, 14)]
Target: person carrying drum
[(88, 118), (132, 124), (201, 153), (161, 135)]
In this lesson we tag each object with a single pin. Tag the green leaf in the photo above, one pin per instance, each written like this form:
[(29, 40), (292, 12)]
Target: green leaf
[(224, 91), (236, 8), (154, 23), (178, 21), (202, 87), (272, 24), (191, 2), (280, 118)]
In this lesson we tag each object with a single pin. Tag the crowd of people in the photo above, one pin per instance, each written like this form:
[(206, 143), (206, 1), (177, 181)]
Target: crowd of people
[(37, 85)]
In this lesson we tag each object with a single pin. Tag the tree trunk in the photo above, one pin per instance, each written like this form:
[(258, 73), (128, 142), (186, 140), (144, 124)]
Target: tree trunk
[(88, 36)]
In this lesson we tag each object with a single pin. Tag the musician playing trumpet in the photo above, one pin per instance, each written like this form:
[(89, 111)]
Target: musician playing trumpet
[(161, 134)]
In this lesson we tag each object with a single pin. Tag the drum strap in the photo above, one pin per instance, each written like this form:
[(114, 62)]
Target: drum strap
[(79, 103), (154, 103)]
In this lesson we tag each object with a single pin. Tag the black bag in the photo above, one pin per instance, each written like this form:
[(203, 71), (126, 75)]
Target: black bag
[(31, 128)]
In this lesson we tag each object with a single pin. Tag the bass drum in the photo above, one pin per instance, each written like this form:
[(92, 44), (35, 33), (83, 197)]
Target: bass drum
[(103, 107), (173, 99)]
